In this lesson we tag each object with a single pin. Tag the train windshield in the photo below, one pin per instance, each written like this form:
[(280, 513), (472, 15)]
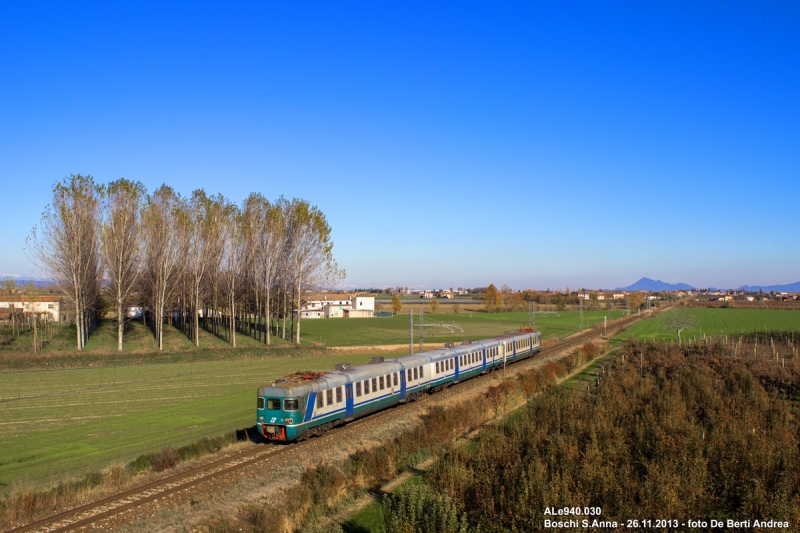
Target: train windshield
[(261, 403), (274, 404), (291, 405)]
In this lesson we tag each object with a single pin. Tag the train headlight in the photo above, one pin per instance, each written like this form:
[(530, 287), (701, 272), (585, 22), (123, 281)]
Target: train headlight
[(289, 421), (261, 418)]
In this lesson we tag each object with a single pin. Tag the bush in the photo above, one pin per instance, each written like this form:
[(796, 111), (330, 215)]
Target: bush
[(167, 459), (421, 509)]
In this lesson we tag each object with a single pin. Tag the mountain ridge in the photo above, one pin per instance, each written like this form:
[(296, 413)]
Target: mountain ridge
[(656, 285)]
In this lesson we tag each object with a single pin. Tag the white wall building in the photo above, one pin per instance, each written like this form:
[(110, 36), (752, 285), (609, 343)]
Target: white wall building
[(39, 305)]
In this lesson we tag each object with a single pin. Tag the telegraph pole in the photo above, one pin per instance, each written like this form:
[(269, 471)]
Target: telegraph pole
[(421, 329), (410, 332), (580, 301)]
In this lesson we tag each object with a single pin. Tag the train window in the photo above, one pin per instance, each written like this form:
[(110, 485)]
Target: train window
[(291, 405), (261, 403), (421, 372), (416, 373), (319, 400), (358, 389), (338, 395), (408, 375), (374, 384), (274, 404), (329, 397), (437, 367), (382, 383), (395, 379), (366, 386)]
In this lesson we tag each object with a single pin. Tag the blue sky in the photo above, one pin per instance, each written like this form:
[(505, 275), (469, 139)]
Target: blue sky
[(536, 144)]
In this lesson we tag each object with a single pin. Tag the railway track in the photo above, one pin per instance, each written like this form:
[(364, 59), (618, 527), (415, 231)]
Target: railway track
[(90, 514)]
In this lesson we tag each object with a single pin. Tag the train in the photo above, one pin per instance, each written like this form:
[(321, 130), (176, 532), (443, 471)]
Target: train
[(306, 404)]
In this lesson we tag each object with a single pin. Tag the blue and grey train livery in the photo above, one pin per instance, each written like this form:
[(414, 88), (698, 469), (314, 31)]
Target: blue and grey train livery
[(309, 403)]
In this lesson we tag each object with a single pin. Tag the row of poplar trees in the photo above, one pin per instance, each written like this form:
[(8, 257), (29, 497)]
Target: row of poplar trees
[(182, 257)]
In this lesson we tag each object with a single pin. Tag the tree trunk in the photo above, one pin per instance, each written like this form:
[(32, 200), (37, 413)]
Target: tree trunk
[(298, 310), (233, 322), (120, 326), (196, 319), (283, 333), (268, 317)]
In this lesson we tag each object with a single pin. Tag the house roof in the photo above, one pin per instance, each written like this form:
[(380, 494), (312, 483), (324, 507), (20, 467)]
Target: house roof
[(9, 299)]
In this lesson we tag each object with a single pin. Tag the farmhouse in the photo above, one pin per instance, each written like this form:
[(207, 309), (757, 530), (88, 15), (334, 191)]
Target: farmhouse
[(361, 307), (39, 305)]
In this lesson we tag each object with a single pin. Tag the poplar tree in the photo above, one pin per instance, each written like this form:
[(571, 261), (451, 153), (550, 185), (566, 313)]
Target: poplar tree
[(66, 247), (232, 257), (310, 252), (162, 253), (122, 244)]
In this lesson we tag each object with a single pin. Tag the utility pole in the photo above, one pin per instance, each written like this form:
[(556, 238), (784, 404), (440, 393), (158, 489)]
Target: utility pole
[(605, 328), (627, 305), (533, 306), (421, 329), (580, 301), (410, 332)]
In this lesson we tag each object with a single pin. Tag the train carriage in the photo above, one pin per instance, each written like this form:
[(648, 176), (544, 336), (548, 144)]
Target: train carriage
[(309, 403)]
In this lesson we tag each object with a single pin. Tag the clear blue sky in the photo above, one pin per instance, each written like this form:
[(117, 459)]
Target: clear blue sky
[(539, 144)]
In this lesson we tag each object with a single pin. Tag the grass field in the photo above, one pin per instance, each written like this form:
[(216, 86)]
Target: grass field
[(454, 328), (61, 423), (717, 322), (64, 422), (330, 332)]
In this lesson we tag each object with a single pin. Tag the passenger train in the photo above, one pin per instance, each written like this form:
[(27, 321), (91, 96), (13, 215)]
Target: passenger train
[(309, 403)]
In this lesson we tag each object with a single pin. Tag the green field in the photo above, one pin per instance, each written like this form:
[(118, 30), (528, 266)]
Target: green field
[(717, 322), (61, 423), (454, 328)]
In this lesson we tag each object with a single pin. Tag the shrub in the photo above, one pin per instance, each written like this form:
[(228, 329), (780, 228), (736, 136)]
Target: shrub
[(167, 459), (420, 509)]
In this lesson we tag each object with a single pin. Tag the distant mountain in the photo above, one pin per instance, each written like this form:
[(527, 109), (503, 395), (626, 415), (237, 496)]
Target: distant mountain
[(39, 282), (647, 284), (792, 287)]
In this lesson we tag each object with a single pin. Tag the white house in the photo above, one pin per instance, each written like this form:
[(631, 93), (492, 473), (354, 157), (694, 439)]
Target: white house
[(362, 306), (312, 312), (335, 310), (39, 305), (364, 303)]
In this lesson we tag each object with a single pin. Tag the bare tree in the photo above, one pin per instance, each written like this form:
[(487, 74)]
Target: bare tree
[(203, 224), (232, 256), (310, 252), (162, 252), (122, 244), (677, 320), (65, 246)]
